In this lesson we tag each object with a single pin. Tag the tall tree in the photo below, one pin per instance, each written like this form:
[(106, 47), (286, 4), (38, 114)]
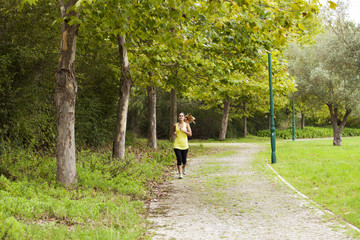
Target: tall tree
[(328, 71), (65, 96), (225, 119), (151, 92), (125, 87)]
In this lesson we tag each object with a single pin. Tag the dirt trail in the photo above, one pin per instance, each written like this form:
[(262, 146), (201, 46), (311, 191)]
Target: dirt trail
[(223, 196)]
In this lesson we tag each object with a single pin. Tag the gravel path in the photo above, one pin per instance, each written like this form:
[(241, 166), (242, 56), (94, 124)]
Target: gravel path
[(225, 196)]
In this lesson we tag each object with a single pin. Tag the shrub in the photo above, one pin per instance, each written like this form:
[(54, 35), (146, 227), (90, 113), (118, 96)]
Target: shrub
[(309, 132)]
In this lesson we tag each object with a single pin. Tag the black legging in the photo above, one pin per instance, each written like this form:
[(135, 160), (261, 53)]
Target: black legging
[(181, 156)]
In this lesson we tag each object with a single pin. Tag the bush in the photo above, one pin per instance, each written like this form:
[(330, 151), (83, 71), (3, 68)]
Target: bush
[(309, 132)]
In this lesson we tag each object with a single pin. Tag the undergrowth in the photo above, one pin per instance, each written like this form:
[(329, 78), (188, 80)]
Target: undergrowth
[(108, 201)]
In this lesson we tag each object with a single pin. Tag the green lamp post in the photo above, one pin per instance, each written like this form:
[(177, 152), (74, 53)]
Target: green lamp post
[(272, 123)]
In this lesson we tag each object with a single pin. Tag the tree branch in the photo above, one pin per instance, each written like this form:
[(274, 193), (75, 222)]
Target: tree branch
[(343, 122), (339, 35)]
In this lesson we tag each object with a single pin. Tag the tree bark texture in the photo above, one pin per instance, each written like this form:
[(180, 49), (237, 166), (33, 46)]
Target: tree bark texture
[(125, 87), (225, 120), (65, 97), (173, 112), (337, 129), (302, 120), (152, 143)]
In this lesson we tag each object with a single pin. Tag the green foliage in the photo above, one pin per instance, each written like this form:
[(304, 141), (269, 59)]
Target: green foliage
[(327, 72), (176, 40), (26, 164), (98, 91), (27, 60), (309, 132), (106, 203), (10, 228), (126, 177), (235, 65)]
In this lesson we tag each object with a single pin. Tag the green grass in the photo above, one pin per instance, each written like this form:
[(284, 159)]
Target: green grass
[(330, 175)]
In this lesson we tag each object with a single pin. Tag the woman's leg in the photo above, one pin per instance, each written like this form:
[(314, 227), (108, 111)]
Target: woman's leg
[(179, 160), (184, 159), (180, 170)]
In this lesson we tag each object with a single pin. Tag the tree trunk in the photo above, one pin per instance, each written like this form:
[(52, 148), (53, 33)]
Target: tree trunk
[(245, 127), (302, 120), (173, 113), (125, 87), (225, 120), (334, 117), (151, 90), (245, 122), (65, 97), (337, 137)]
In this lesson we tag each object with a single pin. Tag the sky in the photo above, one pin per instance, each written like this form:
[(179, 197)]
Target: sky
[(354, 9)]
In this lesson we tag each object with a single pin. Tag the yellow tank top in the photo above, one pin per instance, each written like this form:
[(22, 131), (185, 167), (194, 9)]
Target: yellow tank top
[(181, 140)]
